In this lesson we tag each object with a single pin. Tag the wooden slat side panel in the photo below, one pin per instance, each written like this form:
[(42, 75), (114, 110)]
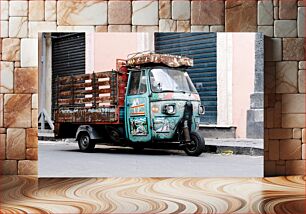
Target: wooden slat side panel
[(84, 92), (88, 98), (66, 87), (76, 78)]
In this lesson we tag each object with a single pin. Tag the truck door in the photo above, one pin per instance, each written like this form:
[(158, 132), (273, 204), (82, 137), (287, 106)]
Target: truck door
[(137, 116)]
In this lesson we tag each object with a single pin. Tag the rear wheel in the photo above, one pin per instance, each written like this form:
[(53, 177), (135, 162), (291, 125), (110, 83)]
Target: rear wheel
[(196, 145), (85, 143)]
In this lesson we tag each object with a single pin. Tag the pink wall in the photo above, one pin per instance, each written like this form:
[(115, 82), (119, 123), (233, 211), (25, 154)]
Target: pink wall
[(243, 78), (111, 46)]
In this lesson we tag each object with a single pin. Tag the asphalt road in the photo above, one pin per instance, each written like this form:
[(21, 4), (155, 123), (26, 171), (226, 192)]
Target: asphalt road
[(60, 159)]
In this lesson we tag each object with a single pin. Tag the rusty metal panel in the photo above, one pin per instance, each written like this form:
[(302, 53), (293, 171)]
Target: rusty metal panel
[(106, 114)]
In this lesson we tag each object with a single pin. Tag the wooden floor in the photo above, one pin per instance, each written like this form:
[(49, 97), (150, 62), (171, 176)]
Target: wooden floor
[(154, 195)]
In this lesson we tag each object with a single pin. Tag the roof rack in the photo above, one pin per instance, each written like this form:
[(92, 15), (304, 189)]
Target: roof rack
[(149, 57)]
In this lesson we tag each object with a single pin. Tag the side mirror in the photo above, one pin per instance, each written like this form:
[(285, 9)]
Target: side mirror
[(157, 87)]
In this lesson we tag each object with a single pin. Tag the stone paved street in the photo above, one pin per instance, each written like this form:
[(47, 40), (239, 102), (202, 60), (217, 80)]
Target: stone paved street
[(63, 159)]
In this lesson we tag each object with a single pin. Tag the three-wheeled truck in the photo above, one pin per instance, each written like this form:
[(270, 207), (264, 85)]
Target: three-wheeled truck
[(148, 101)]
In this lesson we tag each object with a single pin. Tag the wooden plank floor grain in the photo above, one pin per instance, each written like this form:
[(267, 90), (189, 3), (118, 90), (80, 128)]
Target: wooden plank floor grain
[(153, 195)]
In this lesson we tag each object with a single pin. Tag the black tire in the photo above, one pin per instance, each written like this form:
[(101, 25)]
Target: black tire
[(196, 145), (85, 143)]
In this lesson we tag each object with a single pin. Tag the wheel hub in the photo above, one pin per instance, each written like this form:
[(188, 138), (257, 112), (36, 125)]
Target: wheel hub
[(191, 146), (85, 141)]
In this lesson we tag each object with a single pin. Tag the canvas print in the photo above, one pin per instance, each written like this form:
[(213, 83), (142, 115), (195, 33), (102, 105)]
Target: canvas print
[(151, 104)]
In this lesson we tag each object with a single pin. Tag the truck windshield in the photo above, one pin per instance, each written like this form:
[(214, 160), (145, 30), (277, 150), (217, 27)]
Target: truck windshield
[(170, 80)]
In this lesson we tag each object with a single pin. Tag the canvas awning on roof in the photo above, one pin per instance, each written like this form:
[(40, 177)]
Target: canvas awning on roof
[(166, 59)]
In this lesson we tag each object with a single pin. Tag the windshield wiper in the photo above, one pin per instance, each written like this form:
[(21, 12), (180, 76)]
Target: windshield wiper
[(167, 91)]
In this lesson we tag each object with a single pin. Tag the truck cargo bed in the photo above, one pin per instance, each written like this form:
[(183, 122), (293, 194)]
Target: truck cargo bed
[(88, 98)]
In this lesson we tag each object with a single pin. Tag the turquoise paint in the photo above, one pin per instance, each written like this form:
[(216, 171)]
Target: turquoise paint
[(174, 119), (137, 110), (159, 126)]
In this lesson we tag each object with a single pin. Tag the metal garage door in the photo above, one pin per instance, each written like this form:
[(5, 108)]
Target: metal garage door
[(68, 56), (202, 48)]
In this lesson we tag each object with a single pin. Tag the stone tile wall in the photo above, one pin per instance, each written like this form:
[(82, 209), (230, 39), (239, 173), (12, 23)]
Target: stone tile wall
[(282, 20)]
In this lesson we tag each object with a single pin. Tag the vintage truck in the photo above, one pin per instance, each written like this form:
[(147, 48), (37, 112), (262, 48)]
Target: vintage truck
[(148, 101)]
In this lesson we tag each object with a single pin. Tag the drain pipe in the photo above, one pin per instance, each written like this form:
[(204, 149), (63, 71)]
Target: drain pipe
[(42, 86)]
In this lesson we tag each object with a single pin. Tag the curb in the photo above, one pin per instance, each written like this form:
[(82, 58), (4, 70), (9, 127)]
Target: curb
[(235, 150)]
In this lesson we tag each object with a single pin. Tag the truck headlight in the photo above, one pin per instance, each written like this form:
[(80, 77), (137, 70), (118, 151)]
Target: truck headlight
[(201, 109), (169, 109)]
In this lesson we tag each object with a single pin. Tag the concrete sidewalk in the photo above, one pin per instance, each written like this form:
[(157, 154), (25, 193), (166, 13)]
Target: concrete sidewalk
[(235, 146)]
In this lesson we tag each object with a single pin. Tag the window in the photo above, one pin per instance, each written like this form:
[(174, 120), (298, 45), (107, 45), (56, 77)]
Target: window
[(138, 83), (170, 80)]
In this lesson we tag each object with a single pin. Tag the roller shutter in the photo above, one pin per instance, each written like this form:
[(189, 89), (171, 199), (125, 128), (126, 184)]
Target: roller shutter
[(68, 56), (202, 48)]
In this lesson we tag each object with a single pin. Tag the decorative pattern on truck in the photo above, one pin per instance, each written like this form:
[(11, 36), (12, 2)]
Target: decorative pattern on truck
[(163, 124), (139, 126), (138, 107)]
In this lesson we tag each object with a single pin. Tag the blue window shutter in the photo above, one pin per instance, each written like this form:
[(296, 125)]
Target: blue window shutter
[(201, 47)]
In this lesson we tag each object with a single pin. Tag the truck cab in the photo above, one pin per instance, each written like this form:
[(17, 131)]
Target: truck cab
[(162, 105)]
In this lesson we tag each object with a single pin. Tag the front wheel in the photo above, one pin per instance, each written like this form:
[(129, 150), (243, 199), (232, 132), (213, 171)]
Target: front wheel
[(196, 145), (85, 143)]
